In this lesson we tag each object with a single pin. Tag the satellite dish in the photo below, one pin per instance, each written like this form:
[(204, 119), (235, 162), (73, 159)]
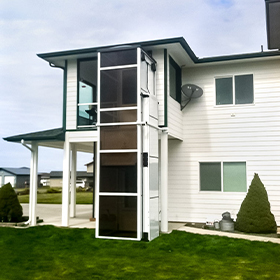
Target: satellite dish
[(188, 92)]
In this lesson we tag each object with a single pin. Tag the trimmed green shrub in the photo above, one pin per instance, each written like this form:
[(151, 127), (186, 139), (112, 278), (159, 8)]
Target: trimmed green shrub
[(53, 190), (254, 215), (10, 208)]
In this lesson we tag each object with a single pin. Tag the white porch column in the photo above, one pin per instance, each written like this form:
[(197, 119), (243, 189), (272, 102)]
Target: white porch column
[(33, 184), (164, 181), (73, 181), (66, 182)]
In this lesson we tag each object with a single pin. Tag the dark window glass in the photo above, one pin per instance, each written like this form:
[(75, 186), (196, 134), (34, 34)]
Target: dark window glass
[(87, 115), (87, 81), (116, 219), (244, 93), (118, 88), (224, 92), (118, 137), (118, 116), (118, 172), (116, 58), (174, 80), (210, 176)]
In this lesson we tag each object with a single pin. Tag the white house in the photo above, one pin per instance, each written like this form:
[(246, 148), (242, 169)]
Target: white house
[(162, 153)]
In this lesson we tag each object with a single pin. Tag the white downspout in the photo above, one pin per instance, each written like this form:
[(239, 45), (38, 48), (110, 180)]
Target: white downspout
[(164, 181), (32, 220), (73, 182)]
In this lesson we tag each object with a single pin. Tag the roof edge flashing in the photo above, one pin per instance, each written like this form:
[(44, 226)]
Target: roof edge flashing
[(143, 44)]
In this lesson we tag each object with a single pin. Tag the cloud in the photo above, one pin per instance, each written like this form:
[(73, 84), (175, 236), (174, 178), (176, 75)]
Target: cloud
[(31, 91)]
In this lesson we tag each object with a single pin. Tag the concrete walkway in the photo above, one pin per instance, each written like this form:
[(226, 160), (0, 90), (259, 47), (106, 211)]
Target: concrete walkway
[(229, 234), (51, 214)]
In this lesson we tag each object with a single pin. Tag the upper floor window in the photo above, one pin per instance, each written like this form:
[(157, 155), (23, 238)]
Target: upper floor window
[(174, 80), (235, 90), (87, 93)]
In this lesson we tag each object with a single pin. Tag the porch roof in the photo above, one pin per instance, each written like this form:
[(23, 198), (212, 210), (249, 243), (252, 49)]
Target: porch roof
[(56, 134)]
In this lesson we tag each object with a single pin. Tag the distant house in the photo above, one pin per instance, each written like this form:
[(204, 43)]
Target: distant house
[(90, 166), (18, 177), (83, 179)]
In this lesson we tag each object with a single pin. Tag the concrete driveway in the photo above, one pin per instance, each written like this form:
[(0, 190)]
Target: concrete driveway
[(51, 214)]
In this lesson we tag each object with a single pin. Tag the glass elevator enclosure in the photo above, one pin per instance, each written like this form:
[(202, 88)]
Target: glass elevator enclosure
[(127, 152)]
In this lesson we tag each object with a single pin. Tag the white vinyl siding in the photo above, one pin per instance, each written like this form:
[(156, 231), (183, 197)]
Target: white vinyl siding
[(71, 99), (243, 133), (174, 113), (175, 119), (158, 55)]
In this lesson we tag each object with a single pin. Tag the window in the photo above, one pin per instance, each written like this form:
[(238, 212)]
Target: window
[(225, 176), (87, 98), (118, 88), (174, 80), (234, 90)]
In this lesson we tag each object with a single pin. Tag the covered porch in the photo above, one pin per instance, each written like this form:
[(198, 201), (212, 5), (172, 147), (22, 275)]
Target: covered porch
[(71, 143)]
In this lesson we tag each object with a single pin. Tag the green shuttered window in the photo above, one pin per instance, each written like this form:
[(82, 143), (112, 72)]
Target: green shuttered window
[(226, 176)]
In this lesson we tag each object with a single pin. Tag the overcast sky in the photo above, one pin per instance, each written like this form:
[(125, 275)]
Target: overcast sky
[(31, 91)]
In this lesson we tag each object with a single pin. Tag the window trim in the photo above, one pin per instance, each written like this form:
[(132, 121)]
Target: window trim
[(78, 93), (233, 90), (222, 176)]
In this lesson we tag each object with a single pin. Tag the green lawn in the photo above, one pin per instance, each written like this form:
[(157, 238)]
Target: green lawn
[(56, 198), (46, 252)]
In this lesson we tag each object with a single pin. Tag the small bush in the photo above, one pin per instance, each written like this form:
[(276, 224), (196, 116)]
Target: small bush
[(10, 208), (53, 190), (254, 215), (23, 192)]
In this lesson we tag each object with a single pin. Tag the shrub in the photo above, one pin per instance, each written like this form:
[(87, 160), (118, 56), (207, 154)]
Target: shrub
[(254, 215), (10, 208), (53, 190), (24, 192)]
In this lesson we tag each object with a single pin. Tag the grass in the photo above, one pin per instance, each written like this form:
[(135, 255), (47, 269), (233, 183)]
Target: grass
[(46, 252), (56, 198)]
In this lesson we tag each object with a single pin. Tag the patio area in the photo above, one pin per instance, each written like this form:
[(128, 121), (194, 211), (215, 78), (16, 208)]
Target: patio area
[(51, 215)]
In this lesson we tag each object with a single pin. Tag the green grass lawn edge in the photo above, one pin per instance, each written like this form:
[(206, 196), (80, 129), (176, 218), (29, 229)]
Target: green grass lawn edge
[(56, 198), (48, 252)]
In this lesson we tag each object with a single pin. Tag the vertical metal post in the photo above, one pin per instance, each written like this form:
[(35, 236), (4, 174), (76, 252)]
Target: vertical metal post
[(164, 181), (73, 181), (66, 182), (34, 183), (94, 185)]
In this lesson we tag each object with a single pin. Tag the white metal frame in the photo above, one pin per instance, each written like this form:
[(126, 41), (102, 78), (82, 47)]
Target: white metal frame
[(139, 124)]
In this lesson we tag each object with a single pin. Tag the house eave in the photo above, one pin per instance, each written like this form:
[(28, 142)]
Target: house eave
[(56, 134), (59, 57)]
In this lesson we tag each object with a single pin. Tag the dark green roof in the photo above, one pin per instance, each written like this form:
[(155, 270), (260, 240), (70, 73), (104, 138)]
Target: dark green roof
[(143, 44), (147, 44), (17, 171), (56, 134)]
